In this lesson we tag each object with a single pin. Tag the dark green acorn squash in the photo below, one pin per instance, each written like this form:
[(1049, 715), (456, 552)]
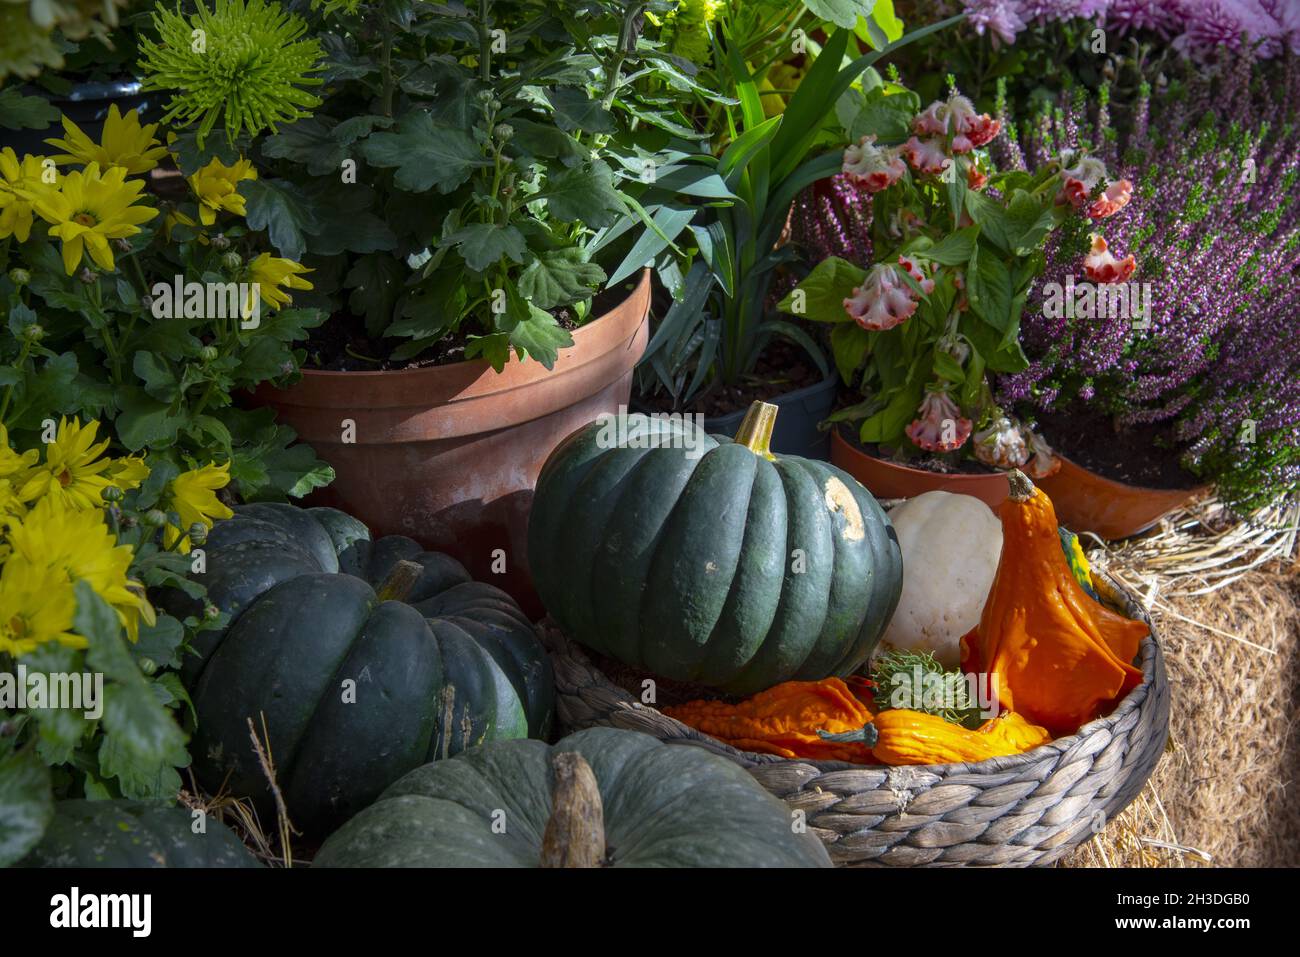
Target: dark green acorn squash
[(452, 664), (730, 568), (599, 798), (134, 834)]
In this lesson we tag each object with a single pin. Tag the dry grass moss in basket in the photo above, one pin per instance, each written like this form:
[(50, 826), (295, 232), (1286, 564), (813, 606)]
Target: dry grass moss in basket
[(1085, 720)]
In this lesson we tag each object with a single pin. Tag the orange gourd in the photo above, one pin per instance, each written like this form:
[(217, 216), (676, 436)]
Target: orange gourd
[(784, 720), (1061, 659), (914, 737)]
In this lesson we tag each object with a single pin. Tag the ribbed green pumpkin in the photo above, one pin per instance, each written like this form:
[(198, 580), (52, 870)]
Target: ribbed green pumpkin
[(656, 805), (134, 834), (451, 665), (729, 568)]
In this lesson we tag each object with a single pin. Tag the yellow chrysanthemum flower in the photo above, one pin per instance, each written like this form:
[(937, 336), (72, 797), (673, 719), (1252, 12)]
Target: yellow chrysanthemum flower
[(37, 604), (216, 186), (14, 465), (90, 209), (271, 272), (192, 495), (127, 473), (126, 144), (80, 546), (73, 472), (21, 181)]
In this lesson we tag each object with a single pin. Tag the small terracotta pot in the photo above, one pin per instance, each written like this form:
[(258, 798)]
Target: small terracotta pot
[(449, 454), (1088, 502), (885, 479)]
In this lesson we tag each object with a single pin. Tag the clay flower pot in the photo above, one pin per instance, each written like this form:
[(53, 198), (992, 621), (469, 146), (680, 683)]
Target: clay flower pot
[(1088, 502), (885, 479), (449, 454)]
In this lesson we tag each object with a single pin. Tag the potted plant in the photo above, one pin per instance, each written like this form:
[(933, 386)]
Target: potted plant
[(445, 173), (1197, 388), (933, 306), (711, 347)]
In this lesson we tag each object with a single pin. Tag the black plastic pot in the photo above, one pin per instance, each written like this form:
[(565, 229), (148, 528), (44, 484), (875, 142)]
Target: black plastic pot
[(86, 104), (796, 431)]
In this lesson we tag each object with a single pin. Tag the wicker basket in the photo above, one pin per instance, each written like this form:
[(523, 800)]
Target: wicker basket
[(1026, 809)]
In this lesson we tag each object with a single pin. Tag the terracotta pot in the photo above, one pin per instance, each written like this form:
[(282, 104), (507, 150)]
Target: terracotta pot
[(1087, 502), (449, 454), (885, 479)]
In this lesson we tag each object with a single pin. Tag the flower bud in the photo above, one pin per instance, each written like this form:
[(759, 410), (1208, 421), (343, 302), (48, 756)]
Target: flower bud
[(112, 493), (34, 333), (208, 353), (504, 131), (220, 242), (211, 612), (148, 666), (87, 276), (19, 277), (154, 518), (232, 261), (485, 96), (198, 533)]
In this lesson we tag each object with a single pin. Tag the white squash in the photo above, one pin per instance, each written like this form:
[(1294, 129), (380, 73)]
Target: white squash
[(951, 545)]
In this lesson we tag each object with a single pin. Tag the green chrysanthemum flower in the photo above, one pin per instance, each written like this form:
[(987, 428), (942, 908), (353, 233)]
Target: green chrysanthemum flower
[(242, 62), (686, 29)]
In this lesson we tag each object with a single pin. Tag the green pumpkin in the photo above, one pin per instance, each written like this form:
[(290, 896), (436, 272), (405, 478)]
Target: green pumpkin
[(355, 690), (720, 565), (633, 802), (134, 834)]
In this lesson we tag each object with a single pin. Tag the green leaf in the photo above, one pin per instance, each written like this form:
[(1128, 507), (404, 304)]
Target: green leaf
[(49, 391), (1028, 223), (824, 291), (26, 804), (584, 195), (145, 421), (887, 115), (989, 215), (18, 112), (887, 425), (494, 348), (559, 277), (284, 210), (483, 244), (139, 776), (988, 287), (947, 367), (954, 249), (295, 470), (576, 111), (427, 154), (309, 142), (156, 376), (842, 13), (670, 220), (849, 344), (533, 331), (160, 642), (376, 283)]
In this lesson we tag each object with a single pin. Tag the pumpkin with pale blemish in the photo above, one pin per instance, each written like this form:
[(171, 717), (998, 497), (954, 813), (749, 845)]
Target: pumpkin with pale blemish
[(357, 660), (710, 560)]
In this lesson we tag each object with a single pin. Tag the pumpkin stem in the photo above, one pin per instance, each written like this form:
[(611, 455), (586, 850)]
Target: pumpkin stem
[(1022, 489), (400, 580), (755, 432), (575, 832), (867, 735)]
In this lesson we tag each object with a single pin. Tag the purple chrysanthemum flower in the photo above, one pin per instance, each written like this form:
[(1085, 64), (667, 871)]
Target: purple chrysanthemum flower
[(1000, 18)]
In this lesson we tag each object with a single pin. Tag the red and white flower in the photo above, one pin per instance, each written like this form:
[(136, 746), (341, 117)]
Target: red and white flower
[(870, 167), (1100, 265), (926, 156), (915, 271), (1001, 445), (969, 129), (1080, 181), (882, 301), (1043, 461), (939, 426)]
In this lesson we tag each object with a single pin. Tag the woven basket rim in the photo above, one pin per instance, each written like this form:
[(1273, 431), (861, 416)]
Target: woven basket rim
[(1108, 588)]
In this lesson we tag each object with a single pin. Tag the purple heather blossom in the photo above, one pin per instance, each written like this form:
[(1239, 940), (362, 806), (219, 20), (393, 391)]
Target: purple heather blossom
[(1214, 227)]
